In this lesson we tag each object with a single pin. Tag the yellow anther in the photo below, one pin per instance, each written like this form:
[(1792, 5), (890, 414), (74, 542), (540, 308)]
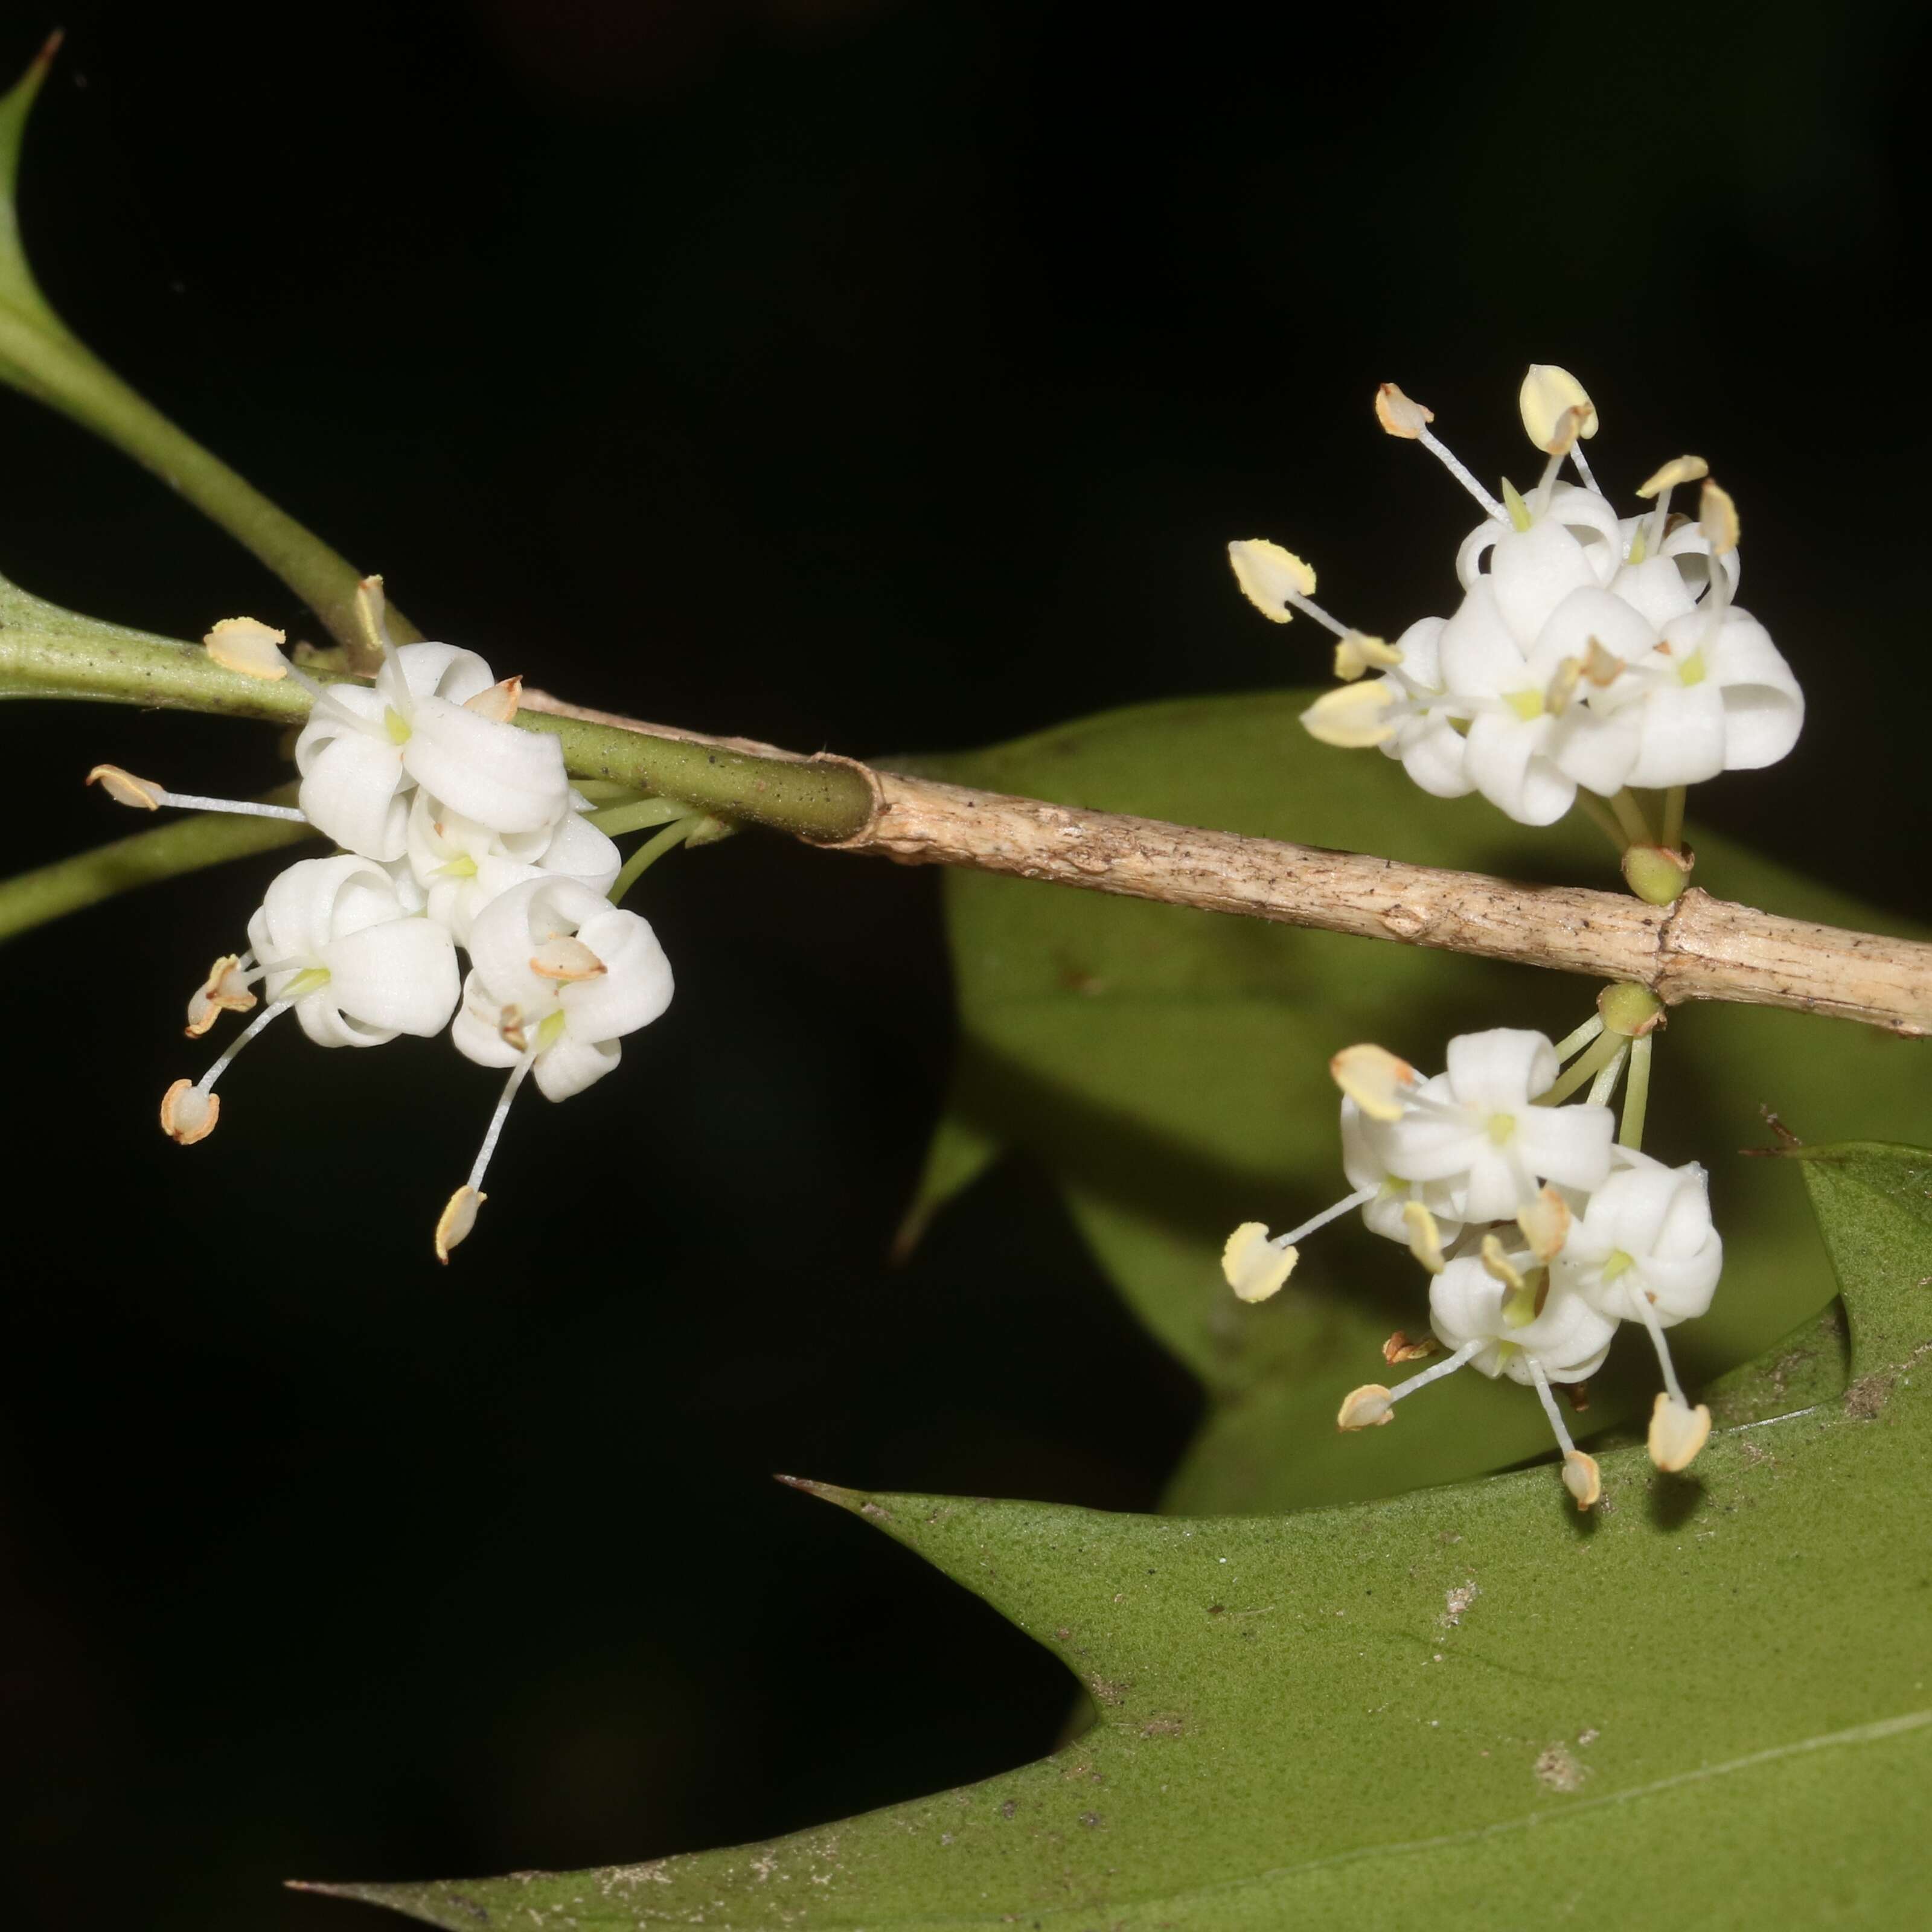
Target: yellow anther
[(1352, 717), (1601, 667), (187, 1114), (1556, 410), (1497, 1264), (1365, 1407), (124, 788), (499, 703), (1270, 577), (1400, 415), (1545, 1223), (1562, 686), (243, 644), (1717, 518), (1679, 469), (1254, 1268), (1357, 651), (565, 958), (1677, 1431), (1376, 1080), (1581, 1478), (1425, 1238), (457, 1218)]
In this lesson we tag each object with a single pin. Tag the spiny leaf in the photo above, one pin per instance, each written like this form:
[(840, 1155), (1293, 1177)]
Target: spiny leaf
[(1466, 1705), (18, 288), (1169, 1068)]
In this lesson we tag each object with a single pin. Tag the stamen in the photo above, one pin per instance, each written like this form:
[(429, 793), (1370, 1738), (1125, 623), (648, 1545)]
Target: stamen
[(1353, 717), (1580, 1475), (124, 788), (1371, 1405), (1402, 416), (1328, 1214), (1400, 1348), (1271, 578), (1425, 1237), (459, 1214), (1677, 1432), (499, 703), (1717, 518), (1498, 1266), (1357, 651), (1545, 1223), (1563, 439), (1647, 1312), (1548, 396), (224, 990), (189, 1113), (1660, 484), (1254, 1266), (1374, 1079), (244, 644)]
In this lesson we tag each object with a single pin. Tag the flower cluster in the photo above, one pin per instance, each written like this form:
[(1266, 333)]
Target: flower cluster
[(1590, 651), (456, 830), (1541, 1228)]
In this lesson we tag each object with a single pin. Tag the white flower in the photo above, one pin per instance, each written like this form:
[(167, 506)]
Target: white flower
[(1644, 1249), (1476, 1128), (331, 940), (1513, 1330), (1589, 651), (1643, 1245), (432, 718), (560, 975), (461, 866), (573, 974)]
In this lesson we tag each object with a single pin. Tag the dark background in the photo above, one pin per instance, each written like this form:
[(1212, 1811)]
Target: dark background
[(840, 372)]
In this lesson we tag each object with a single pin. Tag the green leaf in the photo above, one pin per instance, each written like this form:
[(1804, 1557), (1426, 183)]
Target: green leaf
[(1169, 1068), (1462, 1706)]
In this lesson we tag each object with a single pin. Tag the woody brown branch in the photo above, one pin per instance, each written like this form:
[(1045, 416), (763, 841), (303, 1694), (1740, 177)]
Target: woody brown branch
[(1700, 948)]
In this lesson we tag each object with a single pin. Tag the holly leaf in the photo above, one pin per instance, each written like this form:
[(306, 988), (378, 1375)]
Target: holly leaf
[(1168, 1068), (1464, 1705)]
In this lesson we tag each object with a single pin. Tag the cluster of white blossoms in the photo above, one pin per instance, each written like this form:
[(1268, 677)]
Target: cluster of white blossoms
[(457, 829), (1590, 651), (1542, 1226)]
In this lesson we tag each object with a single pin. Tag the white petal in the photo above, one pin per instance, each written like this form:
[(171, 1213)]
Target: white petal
[(1532, 570), (1477, 656), (507, 778), (578, 850), (1619, 627), (443, 671), (1498, 1071), (1433, 753), (1504, 756), (1764, 710), (1421, 646), (1654, 588), (633, 989), (572, 1065), (476, 1032), (400, 976), (1569, 1145), (1681, 735), (352, 790)]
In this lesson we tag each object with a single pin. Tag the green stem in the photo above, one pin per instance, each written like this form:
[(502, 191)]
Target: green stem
[(1673, 818), (1598, 814), (167, 852), (40, 357), (650, 852), (1637, 1092), (1584, 1067), (1629, 817), (616, 820), (108, 663)]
